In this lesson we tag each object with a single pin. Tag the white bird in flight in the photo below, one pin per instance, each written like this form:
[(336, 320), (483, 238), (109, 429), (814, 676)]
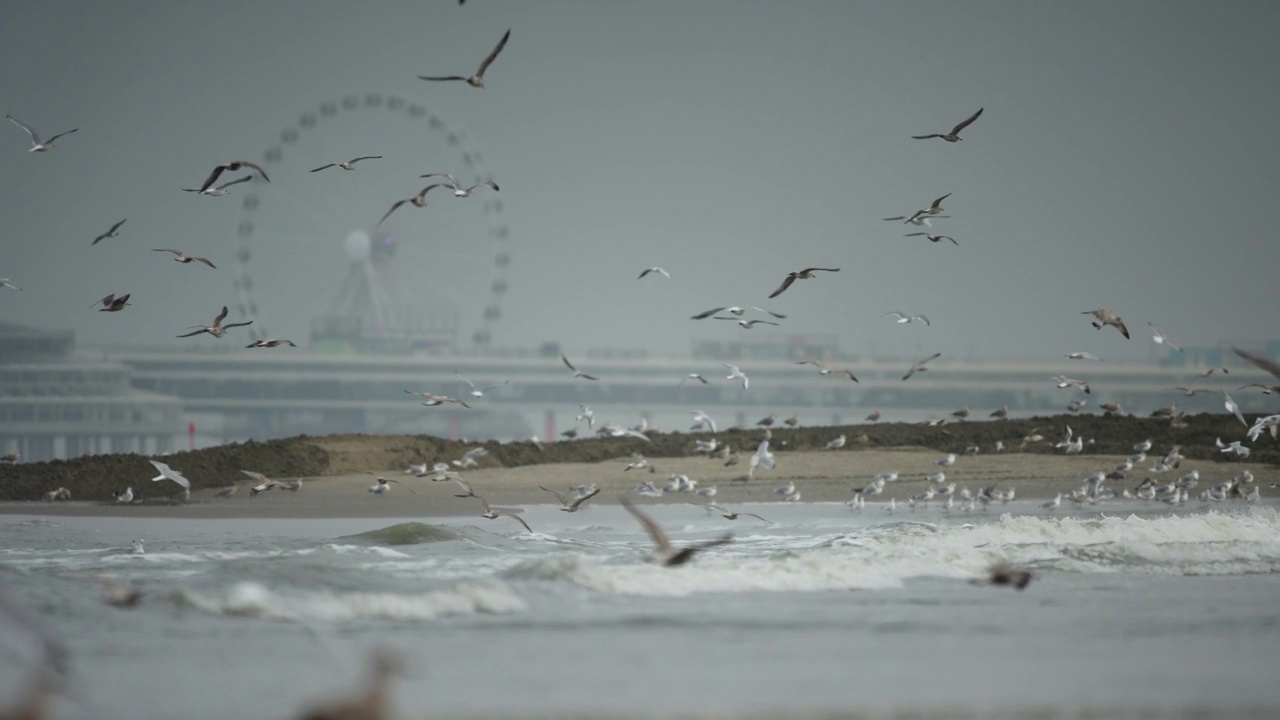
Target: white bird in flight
[(348, 164), (657, 270), (458, 190), (1233, 408), (476, 80), (113, 232), (577, 373), (220, 190), (903, 318), (168, 473), (4, 282), (479, 392), (36, 144), (735, 373), (1159, 338)]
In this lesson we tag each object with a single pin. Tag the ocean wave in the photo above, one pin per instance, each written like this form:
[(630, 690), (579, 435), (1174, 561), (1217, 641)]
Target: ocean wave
[(410, 533), (252, 599), (886, 555)]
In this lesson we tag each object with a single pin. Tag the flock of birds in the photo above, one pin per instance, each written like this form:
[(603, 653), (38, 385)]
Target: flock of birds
[(372, 704)]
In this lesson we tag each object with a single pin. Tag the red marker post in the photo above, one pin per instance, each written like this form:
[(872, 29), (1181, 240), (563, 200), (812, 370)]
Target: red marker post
[(191, 436)]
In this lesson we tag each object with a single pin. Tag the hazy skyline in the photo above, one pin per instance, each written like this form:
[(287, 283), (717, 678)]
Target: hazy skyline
[(1123, 161)]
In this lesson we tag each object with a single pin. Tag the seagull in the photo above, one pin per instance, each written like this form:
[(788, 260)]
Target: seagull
[(168, 473), (476, 80), (349, 164), (36, 144), (458, 190), (873, 416), (113, 232), (126, 496), (703, 420), (805, 274), (933, 209), (824, 370), (4, 282), (1081, 355), (383, 486), (904, 318), (730, 515), (217, 329), (934, 238), (418, 201), (657, 270), (220, 190), (735, 373), (1262, 423), (1006, 574), (1103, 317), (1237, 448), (1002, 413), (693, 376), (1233, 408), (233, 166), (836, 443), (111, 303), (667, 554), (587, 414), (920, 366), (433, 399), (270, 343), (954, 135), (1064, 382), (947, 461), (917, 221), (576, 373), (762, 457), (748, 324), (491, 514), (1159, 338), (479, 392), (1266, 389), (179, 256), (1259, 361), (572, 506)]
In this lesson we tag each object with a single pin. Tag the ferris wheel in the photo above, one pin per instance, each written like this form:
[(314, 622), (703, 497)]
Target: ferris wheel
[(424, 279)]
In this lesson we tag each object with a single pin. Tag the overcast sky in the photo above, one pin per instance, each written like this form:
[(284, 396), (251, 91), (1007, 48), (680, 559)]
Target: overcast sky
[(1127, 159)]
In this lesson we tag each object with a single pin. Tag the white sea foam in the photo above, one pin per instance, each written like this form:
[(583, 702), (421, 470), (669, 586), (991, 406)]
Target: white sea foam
[(252, 599), (886, 555)]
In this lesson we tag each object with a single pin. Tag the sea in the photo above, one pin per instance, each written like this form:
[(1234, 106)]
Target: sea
[(819, 612)]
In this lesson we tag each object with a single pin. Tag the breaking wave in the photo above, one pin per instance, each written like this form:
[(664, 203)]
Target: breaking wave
[(253, 599)]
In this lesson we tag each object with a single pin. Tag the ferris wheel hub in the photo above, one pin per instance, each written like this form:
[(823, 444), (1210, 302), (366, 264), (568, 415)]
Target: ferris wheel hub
[(357, 246)]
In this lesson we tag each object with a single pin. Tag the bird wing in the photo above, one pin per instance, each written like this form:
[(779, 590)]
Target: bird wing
[(463, 379), (948, 237), (934, 356), (175, 252), (324, 167), (221, 316), (394, 205), (815, 269), (791, 277), (213, 177), (585, 498), (453, 181), (518, 519), (754, 516), (656, 533), (956, 130), (646, 272), (568, 364), (447, 77), (705, 315), (194, 332), (848, 372), (353, 161), (55, 137), (1123, 330), (246, 163), (923, 319), (900, 217), (938, 203), (925, 137), (205, 261), (240, 324), (237, 181), (915, 234), (493, 55), (1259, 361), (35, 136)]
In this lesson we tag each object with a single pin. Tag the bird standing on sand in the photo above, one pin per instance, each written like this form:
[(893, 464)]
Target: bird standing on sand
[(805, 274), (954, 135), (476, 80)]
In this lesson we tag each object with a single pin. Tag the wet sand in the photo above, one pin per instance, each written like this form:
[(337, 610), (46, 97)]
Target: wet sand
[(820, 476)]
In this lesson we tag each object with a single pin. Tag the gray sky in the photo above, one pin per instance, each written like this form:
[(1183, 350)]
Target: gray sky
[(1126, 159)]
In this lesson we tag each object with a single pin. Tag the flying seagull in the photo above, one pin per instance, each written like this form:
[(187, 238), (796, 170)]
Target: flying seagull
[(111, 303), (747, 324), (184, 258), (458, 190), (1259, 361), (920, 366), (479, 392), (735, 373), (577, 373), (934, 238), (270, 343), (432, 399), (954, 135), (348, 164), (1233, 408), (668, 554), (728, 515), (1082, 355), (36, 144), (805, 274), (1159, 338), (491, 514), (113, 232), (914, 220), (693, 376), (1065, 382), (168, 473), (476, 80), (233, 166), (4, 282), (217, 329), (571, 505), (903, 318), (220, 190), (933, 209), (419, 200), (1103, 317), (824, 370), (658, 270)]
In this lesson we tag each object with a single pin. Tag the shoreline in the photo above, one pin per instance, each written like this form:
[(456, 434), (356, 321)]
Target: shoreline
[(821, 477)]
